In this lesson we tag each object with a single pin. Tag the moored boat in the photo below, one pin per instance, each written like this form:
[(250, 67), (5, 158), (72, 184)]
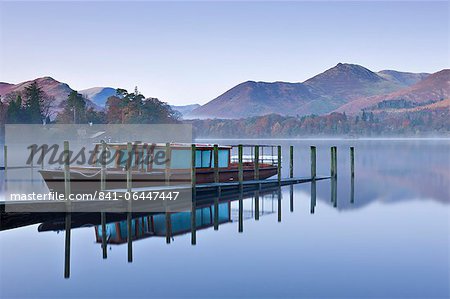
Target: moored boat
[(152, 166)]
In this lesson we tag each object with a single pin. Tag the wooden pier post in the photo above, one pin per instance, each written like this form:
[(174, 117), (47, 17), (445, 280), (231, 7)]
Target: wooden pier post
[(279, 164), (193, 182), (240, 164), (332, 162), (216, 163), (291, 161), (68, 227), (313, 162), (129, 238), (256, 162), (66, 172), (352, 161), (167, 164), (104, 245), (335, 161), (5, 159), (194, 194), (129, 163), (103, 167)]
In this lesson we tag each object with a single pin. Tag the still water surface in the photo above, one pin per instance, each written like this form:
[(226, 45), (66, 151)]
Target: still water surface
[(391, 242)]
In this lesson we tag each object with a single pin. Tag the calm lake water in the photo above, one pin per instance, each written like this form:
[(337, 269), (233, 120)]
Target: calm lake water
[(393, 241)]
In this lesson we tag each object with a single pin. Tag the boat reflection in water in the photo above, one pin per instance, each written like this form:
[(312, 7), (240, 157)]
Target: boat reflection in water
[(120, 228)]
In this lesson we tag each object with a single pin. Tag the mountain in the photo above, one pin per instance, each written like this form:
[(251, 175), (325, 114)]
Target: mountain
[(345, 82), (185, 109), (98, 95), (403, 78), (433, 88), (56, 90), (257, 98), (320, 94)]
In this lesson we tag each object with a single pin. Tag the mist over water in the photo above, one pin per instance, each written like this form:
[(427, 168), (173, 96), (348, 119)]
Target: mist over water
[(393, 241)]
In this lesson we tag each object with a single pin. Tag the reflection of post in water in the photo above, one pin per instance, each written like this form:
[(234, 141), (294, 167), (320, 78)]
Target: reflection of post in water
[(168, 227), (291, 201), (352, 173), (352, 190), (193, 222), (216, 213), (279, 204), (104, 245), (313, 196), (256, 205), (129, 240), (241, 210), (67, 245), (334, 192)]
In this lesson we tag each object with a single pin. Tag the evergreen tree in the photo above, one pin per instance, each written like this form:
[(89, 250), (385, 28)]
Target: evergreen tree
[(33, 106), (15, 113), (74, 110)]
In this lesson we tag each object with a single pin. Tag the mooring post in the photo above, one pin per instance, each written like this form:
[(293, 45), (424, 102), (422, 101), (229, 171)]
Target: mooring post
[(5, 158), (66, 172), (42, 159), (313, 162), (335, 161), (279, 164), (240, 164), (291, 161), (332, 162), (193, 167), (103, 167), (129, 163), (104, 245), (129, 238), (68, 227), (194, 194), (167, 164), (256, 162), (216, 163), (352, 161)]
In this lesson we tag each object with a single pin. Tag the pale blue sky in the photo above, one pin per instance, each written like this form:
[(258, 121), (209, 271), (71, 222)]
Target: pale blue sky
[(191, 52)]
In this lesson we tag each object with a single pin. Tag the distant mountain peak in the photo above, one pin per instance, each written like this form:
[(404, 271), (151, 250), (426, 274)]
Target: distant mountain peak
[(98, 95)]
